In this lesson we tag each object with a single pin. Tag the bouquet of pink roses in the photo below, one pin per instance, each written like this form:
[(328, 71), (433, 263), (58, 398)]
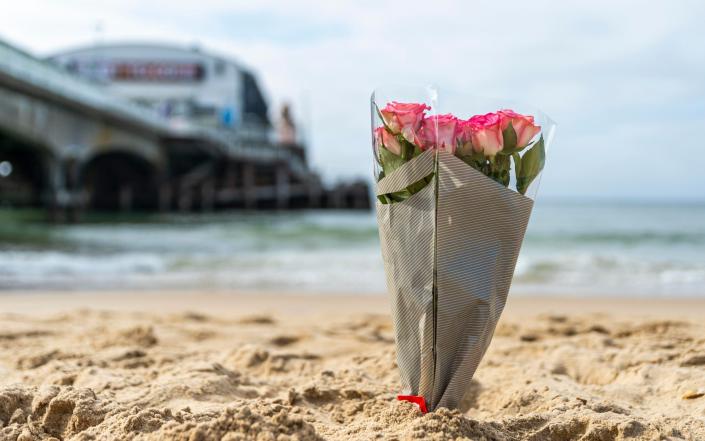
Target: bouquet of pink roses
[(488, 143), (453, 206)]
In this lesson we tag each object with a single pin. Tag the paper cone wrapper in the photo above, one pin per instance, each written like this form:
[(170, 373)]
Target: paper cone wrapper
[(449, 255)]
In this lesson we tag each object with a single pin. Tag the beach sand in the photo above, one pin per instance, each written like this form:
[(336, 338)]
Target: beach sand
[(188, 366)]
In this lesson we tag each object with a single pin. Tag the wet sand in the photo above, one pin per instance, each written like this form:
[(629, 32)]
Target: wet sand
[(197, 366)]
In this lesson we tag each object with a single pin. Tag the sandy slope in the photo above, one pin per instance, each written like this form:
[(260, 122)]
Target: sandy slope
[(192, 367)]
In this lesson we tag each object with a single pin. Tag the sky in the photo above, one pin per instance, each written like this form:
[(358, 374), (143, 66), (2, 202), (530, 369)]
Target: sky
[(624, 80)]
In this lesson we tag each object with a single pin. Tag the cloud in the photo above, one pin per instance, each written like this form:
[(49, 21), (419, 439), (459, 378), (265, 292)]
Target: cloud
[(624, 81)]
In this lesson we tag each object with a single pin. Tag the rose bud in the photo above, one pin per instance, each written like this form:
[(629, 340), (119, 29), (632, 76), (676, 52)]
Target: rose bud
[(388, 141), (440, 131), (486, 133), (523, 125), (464, 138), (404, 119)]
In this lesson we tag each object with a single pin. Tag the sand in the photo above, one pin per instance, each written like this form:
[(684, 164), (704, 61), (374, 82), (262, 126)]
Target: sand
[(265, 367)]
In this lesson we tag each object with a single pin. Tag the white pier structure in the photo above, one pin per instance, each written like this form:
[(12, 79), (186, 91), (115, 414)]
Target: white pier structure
[(116, 128)]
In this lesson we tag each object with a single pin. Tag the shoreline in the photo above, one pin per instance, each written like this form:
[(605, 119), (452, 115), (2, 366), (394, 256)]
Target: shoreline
[(32, 302)]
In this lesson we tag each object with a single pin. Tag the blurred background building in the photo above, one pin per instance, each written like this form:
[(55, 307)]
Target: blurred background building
[(185, 86), (149, 127)]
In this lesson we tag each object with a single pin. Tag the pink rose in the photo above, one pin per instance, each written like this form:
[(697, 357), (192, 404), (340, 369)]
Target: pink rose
[(523, 126), (388, 141), (464, 137), (439, 131), (486, 133), (404, 118), (377, 133)]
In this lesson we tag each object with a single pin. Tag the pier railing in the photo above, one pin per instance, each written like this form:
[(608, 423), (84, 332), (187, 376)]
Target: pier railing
[(44, 76), (22, 68)]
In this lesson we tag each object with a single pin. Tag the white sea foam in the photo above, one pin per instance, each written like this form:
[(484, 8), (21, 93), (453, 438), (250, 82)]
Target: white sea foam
[(569, 249)]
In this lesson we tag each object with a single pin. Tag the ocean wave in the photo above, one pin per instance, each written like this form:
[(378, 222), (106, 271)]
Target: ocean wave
[(630, 238), (565, 251)]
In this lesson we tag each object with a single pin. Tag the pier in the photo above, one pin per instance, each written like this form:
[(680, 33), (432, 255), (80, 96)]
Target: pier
[(71, 145)]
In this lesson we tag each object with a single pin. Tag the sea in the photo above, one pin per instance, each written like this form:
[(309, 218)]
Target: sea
[(571, 248)]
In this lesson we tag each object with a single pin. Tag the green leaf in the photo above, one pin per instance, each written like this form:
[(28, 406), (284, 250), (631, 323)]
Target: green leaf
[(506, 168), (406, 193), (407, 148), (517, 163), (399, 196), (531, 165), (389, 160), (510, 140), (500, 165), (419, 185), (527, 145), (475, 160)]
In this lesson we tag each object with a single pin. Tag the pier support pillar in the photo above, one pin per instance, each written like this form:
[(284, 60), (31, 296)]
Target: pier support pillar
[(249, 188), (164, 197), (230, 180), (56, 192), (185, 200), (208, 195), (362, 198), (125, 198), (76, 197), (282, 185), (336, 197), (314, 195)]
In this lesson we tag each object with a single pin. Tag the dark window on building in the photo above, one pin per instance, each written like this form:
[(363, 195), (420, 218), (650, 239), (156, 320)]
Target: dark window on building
[(254, 106)]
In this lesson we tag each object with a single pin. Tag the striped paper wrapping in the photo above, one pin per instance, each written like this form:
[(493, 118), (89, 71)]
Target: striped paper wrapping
[(449, 254)]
